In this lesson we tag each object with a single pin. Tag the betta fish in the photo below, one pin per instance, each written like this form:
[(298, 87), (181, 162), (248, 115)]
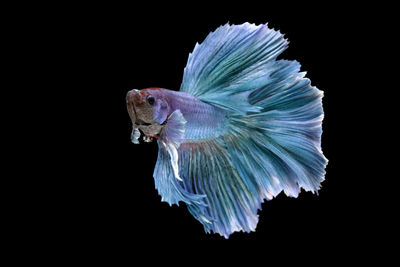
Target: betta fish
[(243, 127)]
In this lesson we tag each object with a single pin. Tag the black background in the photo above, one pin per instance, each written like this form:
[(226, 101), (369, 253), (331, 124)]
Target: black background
[(103, 192)]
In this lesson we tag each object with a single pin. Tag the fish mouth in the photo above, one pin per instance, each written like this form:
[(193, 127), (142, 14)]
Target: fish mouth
[(139, 122)]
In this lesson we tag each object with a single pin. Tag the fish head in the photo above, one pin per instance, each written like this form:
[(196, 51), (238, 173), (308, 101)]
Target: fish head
[(148, 109)]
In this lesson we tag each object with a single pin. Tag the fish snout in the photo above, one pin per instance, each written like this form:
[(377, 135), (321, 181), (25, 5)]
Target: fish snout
[(133, 97)]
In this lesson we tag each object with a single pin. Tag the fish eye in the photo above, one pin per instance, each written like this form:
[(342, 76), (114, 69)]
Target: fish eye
[(151, 100)]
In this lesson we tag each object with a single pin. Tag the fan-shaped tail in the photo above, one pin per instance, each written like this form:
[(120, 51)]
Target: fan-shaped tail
[(272, 136)]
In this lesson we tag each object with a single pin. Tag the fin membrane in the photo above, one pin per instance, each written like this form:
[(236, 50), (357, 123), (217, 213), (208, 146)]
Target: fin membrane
[(230, 62), (272, 139), (206, 169)]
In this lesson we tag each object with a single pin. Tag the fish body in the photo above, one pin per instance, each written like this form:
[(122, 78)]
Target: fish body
[(243, 128), (202, 120)]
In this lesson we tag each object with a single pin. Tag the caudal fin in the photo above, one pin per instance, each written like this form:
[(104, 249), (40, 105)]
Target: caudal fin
[(272, 139)]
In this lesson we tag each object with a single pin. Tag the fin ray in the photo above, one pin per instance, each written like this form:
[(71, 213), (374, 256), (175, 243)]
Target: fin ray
[(226, 60), (271, 140)]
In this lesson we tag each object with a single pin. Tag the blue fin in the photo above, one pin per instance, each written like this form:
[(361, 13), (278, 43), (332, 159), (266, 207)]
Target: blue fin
[(166, 172), (206, 169), (174, 130), (231, 61), (167, 184), (279, 148), (171, 137), (272, 139), (207, 181)]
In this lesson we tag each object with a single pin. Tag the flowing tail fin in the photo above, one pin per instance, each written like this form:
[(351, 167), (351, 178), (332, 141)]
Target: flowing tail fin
[(272, 136)]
